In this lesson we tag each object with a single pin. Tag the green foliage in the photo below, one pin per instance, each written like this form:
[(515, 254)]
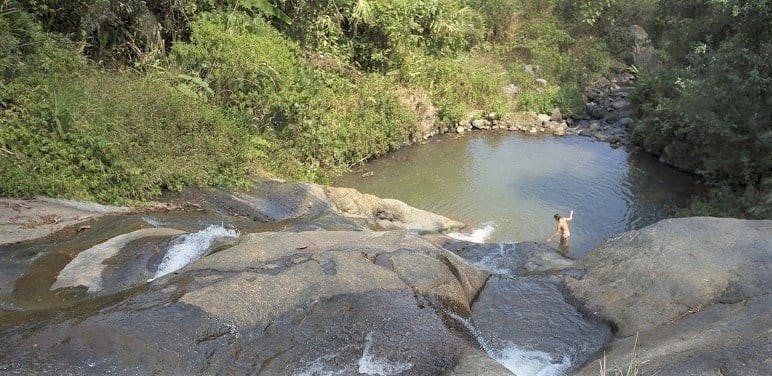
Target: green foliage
[(247, 64), (468, 82), (113, 137), (69, 130), (377, 35), (218, 89), (320, 121), (713, 99)]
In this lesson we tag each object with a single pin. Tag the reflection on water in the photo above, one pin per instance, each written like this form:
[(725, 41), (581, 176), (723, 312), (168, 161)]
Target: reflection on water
[(519, 183)]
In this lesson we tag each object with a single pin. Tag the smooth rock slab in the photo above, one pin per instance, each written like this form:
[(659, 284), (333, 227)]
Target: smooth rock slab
[(22, 220), (277, 303), (86, 269), (723, 339), (650, 277)]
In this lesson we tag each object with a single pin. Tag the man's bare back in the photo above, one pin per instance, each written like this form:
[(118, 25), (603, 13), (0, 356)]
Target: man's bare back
[(562, 229)]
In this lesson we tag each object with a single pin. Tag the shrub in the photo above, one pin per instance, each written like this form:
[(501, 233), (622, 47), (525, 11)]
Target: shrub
[(713, 99), (113, 137)]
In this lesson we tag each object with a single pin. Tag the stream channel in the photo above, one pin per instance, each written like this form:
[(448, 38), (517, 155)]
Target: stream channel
[(505, 187)]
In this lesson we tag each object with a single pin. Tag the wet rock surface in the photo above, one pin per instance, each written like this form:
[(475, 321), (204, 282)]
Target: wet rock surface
[(529, 324), (276, 303), (309, 288), (520, 259)]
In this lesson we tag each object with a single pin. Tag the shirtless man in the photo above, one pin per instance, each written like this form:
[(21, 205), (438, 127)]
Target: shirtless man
[(562, 229)]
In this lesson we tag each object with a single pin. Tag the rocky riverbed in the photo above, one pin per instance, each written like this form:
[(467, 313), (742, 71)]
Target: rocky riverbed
[(295, 278)]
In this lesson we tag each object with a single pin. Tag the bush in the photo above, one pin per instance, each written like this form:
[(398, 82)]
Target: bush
[(113, 137), (711, 105)]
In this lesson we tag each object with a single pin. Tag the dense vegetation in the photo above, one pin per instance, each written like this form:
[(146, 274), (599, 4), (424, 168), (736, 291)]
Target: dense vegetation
[(709, 107), (118, 100)]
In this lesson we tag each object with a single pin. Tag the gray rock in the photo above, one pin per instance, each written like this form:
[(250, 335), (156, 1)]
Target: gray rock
[(512, 89), (520, 259), (273, 200), (480, 124), (595, 111), (533, 70), (542, 119), (556, 115), (619, 104), (540, 82), (643, 53), (625, 122), (476, 363), (531, 316), (88, 266), (277, 303), (722, 339), (650, 277), (23, 220), (460, 130)]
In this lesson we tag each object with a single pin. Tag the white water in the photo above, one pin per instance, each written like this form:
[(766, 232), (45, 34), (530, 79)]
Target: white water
[(370, 365), (490, 262), (319, 367), (478, 235), (520, 362), (190, 247)]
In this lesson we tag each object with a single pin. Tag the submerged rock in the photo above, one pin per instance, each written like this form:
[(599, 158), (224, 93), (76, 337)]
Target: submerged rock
[(524, 258), (531, 327), (88, 266)]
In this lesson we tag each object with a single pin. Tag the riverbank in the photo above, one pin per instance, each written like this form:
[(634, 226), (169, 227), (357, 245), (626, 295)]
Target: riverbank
[(299, 278)]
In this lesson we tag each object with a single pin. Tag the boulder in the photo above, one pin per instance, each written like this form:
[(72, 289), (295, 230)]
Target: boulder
[(722, 339), (644, 56), (274, 201), (625, 122), (540, 82), (277, 303), (542, 119), (556, 115), (387, 214), (646, 278), (619, 104), (595, 111), (480, 124)]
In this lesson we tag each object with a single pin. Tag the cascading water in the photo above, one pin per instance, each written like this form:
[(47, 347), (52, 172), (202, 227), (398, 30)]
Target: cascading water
[(190, 247)]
